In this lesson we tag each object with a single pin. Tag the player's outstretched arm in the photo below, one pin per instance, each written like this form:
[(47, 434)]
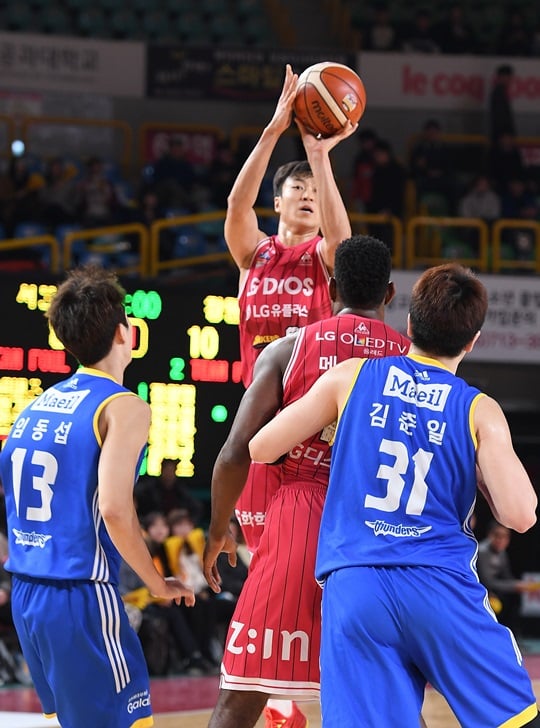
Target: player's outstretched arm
[(123, 426), (335, 223), (506, 484), (259, 404), (242, 232), (318, 408)]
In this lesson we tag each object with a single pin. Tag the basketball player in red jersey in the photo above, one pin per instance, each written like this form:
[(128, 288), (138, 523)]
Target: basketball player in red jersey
[(272, 646), (283, 278)]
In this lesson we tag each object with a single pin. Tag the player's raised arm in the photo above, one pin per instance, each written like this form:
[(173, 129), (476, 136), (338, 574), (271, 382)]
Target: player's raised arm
[(335, 223), (510, 492), (124, 425), (242, 232), (259, 404)]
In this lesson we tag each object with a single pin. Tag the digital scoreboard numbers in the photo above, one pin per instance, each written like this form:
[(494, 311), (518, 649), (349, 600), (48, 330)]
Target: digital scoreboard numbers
[(185, 364)]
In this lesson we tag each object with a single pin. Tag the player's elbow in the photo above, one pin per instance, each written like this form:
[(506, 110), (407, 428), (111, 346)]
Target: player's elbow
[(524, 523), (260, 452), (521, 520)]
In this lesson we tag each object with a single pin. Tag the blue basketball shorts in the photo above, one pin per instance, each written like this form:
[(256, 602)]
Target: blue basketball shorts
[(85, 659), (388, 631)]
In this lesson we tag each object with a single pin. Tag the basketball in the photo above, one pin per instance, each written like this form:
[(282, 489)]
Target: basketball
[(327, 95)]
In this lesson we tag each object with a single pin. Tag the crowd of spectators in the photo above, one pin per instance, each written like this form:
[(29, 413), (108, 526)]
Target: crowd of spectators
[(59, 195), (461, 29)]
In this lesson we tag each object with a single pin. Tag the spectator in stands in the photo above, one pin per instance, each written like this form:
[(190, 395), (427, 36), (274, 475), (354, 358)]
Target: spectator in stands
[(481, 201), (222, 174), (174, 176), (515, 38), (501, 112), (420, 37), (148, 210), (57, 198), (495, 573), (519, 203), (505, 162), (97, 202), (363, 167), (162, 624), (198, 618), (19, 190), (381, 34), (184, 548), (165, 492), (454, 34), (432, 171), (388, 182)]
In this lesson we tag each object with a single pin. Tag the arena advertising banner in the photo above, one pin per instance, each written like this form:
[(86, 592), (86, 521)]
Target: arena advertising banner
[(511, 333), (176, 72), (444, 82), (55, 63)]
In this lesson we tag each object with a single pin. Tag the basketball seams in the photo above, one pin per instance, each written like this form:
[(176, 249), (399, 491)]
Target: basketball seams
[(328, 94), (323, 91)]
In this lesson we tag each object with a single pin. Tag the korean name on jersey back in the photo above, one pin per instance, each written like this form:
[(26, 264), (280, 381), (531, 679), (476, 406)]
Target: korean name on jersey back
[(400, 384), (53, 400)]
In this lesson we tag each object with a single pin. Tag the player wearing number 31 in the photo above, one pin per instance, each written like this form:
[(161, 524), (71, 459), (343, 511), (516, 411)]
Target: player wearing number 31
[(402, 605), (68, 468)]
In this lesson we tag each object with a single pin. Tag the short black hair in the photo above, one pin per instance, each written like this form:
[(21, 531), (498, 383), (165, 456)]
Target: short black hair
[(85, 311), (297, 169), (362, 270)]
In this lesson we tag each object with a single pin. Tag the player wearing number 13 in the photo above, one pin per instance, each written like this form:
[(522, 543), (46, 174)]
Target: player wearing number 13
[(68, 468), (396, 552)]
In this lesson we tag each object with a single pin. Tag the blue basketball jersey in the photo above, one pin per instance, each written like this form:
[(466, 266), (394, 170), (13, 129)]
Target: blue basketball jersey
[(402, 477), (49, 469)]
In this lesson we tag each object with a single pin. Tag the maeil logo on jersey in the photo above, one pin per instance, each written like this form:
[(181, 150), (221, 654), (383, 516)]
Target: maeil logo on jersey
[(55, 401), (292, 285), (401, 385)]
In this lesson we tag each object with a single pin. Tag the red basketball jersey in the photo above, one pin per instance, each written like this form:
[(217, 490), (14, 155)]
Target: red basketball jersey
[(318, 348), (286, 288), (273, 640)]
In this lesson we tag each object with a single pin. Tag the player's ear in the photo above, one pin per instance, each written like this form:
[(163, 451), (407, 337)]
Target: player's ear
[(390, 293), (470, 345), (277, 203), (409, 327)]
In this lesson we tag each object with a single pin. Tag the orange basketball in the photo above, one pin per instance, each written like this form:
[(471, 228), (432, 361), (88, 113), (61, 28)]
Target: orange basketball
[(328, 94)]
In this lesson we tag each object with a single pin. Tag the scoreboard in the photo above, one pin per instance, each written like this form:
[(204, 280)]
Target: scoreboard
[(185, 362)]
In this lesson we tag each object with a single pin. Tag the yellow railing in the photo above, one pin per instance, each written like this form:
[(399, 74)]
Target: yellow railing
[(156, 264), (499, 261), (38, 240), (109, 245), (423, 241), (427, 250), (361, 221)]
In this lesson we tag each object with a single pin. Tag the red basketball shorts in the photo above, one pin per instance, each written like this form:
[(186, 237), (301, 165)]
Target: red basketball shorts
[(261, 484), (274, 636)]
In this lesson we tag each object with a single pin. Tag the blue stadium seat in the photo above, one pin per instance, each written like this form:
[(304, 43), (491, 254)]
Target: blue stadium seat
[(29, 229)]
